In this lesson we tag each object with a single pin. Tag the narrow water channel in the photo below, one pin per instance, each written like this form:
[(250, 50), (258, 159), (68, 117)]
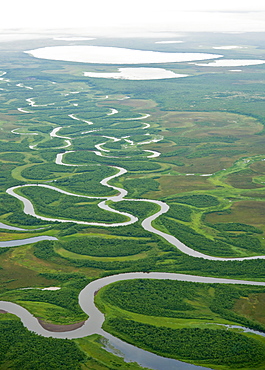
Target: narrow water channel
[(96, 318), (86, 297)]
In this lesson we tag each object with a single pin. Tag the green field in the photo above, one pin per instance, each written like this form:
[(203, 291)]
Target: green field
[(200, 150)]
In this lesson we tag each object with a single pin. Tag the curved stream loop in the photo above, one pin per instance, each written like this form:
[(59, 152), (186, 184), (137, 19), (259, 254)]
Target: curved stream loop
[(146, 224), (96, 318), (86, 297)]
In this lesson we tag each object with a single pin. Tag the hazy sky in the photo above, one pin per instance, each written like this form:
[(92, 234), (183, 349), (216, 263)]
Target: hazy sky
[(166, 15)]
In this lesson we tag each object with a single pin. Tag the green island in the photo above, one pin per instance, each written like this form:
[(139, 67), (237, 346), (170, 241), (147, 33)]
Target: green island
[(86, 162)]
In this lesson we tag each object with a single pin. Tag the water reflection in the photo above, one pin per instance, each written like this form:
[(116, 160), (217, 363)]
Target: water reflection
[(18, 242)]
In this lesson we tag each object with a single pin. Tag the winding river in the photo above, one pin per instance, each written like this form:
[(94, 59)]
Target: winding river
[(18, 242), (96, 318), (86, 297), (146, 224)]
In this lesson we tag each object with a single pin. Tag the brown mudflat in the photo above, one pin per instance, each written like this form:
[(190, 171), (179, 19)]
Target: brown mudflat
[(60, 328)]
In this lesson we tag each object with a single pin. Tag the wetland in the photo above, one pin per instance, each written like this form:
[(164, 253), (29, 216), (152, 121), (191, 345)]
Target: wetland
[(143, 197)]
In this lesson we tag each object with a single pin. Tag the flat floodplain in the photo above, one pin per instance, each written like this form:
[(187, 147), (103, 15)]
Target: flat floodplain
[(171, 170), (253, 211)]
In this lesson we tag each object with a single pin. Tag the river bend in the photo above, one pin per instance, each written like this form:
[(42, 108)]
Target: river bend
[(96, 318), (86, 297)]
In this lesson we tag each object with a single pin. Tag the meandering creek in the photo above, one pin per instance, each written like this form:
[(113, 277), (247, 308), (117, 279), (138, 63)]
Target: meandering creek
[(86, 297), (96, 318), (146, 224), (18, 242)]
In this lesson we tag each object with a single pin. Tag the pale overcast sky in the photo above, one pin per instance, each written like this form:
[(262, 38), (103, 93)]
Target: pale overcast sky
[(166, 15)]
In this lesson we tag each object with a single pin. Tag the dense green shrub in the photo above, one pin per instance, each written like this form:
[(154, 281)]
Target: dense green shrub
[(179, 212), (236, 226), (198, 200), (217, 346), (22, 349), (150, 297), (106, 247)]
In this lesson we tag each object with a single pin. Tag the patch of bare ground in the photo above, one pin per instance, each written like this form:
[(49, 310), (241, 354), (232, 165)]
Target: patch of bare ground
[(252, 307), (206, 165), (249, 212), (7, 118), (259, 167), (138, 103), (243, 180), (171, 185), (213, 122), (60, 328)]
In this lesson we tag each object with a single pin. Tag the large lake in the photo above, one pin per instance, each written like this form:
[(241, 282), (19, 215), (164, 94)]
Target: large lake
[(231, 63), (114, 55), (140, 73)]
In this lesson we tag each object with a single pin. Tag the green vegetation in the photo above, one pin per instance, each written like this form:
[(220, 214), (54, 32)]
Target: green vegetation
[(44, 250), (138, 209), (12, 209), (84, 181), (219, 347), (247, 269), (12, 157), (197, 200), (45, 171), (137, 187), (65, 298), (106, 247), (88, 182), (235, 226), (151, 297), (23, 349), (176, 319), (180, 299), (223, 245), (209, 131), (69, 207), (179, 212)]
